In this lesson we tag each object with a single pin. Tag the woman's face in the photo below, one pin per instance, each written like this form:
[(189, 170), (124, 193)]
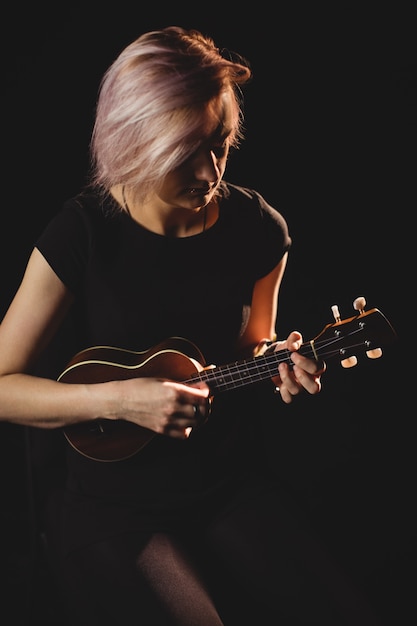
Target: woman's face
[(194, 183)]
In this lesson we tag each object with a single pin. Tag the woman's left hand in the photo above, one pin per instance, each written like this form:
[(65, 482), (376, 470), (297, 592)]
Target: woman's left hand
[(304, 374)]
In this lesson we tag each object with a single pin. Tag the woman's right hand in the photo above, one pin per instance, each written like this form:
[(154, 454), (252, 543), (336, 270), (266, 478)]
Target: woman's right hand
[(164, 406)]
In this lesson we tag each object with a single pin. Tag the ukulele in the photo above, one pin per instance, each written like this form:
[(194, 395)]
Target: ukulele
[(179, 359)]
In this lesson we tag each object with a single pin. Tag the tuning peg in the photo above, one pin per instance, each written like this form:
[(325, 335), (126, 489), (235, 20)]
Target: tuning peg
[(336, 314), (349, 362), (376, 353), (359, 305), (352, 360)]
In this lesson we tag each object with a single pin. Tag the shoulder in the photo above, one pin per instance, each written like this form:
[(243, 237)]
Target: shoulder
[(91, 207), (247, 198), (83, 225), (249, 205), (238, 193), (82, 217)]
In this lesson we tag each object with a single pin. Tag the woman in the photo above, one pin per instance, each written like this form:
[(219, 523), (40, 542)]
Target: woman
[(174, 518)]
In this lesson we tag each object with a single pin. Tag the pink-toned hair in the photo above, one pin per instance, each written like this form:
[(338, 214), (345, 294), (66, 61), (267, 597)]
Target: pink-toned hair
[(153, 103)]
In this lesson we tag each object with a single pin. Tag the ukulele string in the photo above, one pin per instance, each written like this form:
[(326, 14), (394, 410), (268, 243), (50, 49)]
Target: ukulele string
[(259, 368)]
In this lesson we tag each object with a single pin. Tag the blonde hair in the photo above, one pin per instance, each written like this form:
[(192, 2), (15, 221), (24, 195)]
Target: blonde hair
[(153, 103)]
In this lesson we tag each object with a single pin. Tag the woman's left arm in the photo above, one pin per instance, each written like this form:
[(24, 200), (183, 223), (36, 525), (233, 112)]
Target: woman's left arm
[(260, 331)]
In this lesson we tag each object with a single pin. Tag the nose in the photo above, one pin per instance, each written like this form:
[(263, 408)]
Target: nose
[(206, 166)]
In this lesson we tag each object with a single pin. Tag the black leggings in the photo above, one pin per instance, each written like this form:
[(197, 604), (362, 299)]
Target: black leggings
[(253, 565)]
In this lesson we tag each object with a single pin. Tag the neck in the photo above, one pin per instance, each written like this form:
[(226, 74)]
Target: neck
[(168, 221)]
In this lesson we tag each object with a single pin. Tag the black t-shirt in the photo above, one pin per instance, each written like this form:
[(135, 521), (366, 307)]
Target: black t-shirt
[(134, 289)]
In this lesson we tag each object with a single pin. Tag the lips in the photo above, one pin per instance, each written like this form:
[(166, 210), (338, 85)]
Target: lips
[(199, 190)]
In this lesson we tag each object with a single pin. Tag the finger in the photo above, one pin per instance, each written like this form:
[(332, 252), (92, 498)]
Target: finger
[(202, 410), (180, 426), (309, 365), (284, 393), (294, 340), (310, 383), (287, 377), (200, 414)]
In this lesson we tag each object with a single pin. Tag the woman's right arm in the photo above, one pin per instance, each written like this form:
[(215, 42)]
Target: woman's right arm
[(37, 310), (34, 315)]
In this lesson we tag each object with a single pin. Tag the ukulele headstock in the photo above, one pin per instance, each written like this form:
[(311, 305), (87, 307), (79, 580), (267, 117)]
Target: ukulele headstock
[(365, 332)]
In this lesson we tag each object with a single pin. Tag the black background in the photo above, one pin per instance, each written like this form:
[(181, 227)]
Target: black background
[(330, 140)]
